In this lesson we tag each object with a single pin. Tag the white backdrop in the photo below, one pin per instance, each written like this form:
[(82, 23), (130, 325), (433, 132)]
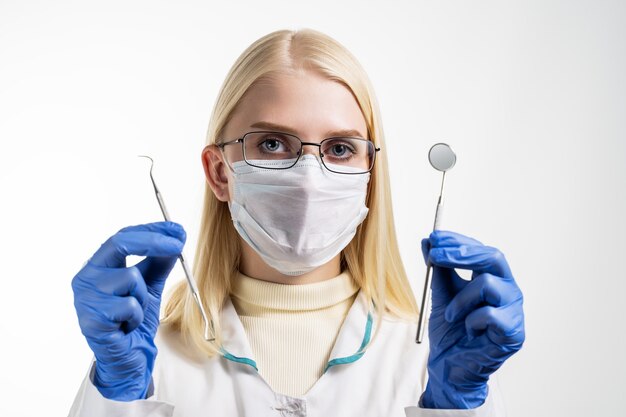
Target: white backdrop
[(530, 94)]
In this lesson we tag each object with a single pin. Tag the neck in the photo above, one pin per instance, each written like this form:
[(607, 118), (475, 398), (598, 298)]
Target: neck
[(252, 265)]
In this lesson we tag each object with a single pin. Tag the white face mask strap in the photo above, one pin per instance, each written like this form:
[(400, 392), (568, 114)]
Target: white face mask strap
[(226, 161)]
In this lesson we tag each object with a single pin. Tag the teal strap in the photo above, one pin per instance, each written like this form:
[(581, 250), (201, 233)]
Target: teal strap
[(359, 353), (234, 358), (336, 361)]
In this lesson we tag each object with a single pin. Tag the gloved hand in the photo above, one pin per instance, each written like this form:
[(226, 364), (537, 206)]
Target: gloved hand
[(118, 307), (474, 325)]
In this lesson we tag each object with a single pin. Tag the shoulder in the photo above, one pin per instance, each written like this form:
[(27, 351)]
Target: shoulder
[(172, 347), (399, 336)]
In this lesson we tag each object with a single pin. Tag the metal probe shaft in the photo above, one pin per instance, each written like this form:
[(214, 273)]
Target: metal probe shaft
[(186, 269)]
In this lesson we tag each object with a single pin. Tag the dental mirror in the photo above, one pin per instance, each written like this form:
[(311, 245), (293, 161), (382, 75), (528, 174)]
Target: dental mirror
[(442, 158)]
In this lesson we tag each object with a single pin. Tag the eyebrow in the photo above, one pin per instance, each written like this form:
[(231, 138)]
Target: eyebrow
[(287, 129)]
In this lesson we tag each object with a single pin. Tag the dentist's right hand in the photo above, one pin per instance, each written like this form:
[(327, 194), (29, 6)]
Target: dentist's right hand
[(118, 306)]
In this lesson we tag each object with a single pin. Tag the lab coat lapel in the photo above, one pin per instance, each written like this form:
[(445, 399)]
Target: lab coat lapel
[(236, 346), (354, 333)]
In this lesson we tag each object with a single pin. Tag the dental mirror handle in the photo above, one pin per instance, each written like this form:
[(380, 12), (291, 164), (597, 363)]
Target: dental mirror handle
[(425, 306)]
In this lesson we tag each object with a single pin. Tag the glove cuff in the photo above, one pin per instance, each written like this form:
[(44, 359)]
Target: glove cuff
[(451, 398)]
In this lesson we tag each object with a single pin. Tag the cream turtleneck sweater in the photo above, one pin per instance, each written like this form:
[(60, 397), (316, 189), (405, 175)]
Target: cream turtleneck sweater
[(292, 328)]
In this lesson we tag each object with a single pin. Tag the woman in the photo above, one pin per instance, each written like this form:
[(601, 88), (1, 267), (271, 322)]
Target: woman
[(298, 268)]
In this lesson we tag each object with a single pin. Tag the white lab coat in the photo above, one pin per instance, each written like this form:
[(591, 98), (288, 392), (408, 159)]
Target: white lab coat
[(387, 380)]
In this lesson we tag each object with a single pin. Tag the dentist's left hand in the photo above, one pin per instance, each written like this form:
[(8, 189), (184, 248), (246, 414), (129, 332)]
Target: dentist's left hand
[(474, 325)]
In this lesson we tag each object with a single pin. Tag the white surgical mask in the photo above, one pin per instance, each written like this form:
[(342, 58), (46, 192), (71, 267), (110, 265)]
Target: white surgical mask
[(298, 218)]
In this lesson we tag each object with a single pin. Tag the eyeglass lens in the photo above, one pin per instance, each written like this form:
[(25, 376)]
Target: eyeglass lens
[(345, 155)]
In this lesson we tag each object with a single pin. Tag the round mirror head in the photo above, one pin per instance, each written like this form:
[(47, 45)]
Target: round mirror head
[(441, 157)]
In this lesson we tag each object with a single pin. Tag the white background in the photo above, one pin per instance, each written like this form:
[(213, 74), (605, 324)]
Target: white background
[(530, 94)]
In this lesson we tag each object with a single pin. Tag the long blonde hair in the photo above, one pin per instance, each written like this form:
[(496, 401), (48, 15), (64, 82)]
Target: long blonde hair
[(372, 257)]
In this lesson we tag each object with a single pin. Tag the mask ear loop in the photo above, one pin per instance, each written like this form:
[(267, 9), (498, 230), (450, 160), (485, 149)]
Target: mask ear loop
[(369, 186), (372, 170), (225, 160)]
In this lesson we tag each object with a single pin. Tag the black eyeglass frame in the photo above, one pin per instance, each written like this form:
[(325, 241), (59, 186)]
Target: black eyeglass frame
[(319, 149)]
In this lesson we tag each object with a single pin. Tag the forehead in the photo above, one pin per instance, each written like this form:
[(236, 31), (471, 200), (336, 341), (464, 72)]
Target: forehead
[(309, 104)]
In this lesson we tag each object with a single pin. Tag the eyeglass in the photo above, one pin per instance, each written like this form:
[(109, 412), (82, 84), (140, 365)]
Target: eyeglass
[(343, 155)]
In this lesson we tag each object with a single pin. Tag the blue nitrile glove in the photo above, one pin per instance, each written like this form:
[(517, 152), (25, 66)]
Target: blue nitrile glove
[(118, 307), (474, 325)]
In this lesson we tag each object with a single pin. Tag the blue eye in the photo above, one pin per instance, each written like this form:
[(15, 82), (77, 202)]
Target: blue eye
[(339, 150), (270, 144)]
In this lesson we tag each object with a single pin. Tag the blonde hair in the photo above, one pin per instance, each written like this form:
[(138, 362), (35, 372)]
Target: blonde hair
[(372, 257)]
